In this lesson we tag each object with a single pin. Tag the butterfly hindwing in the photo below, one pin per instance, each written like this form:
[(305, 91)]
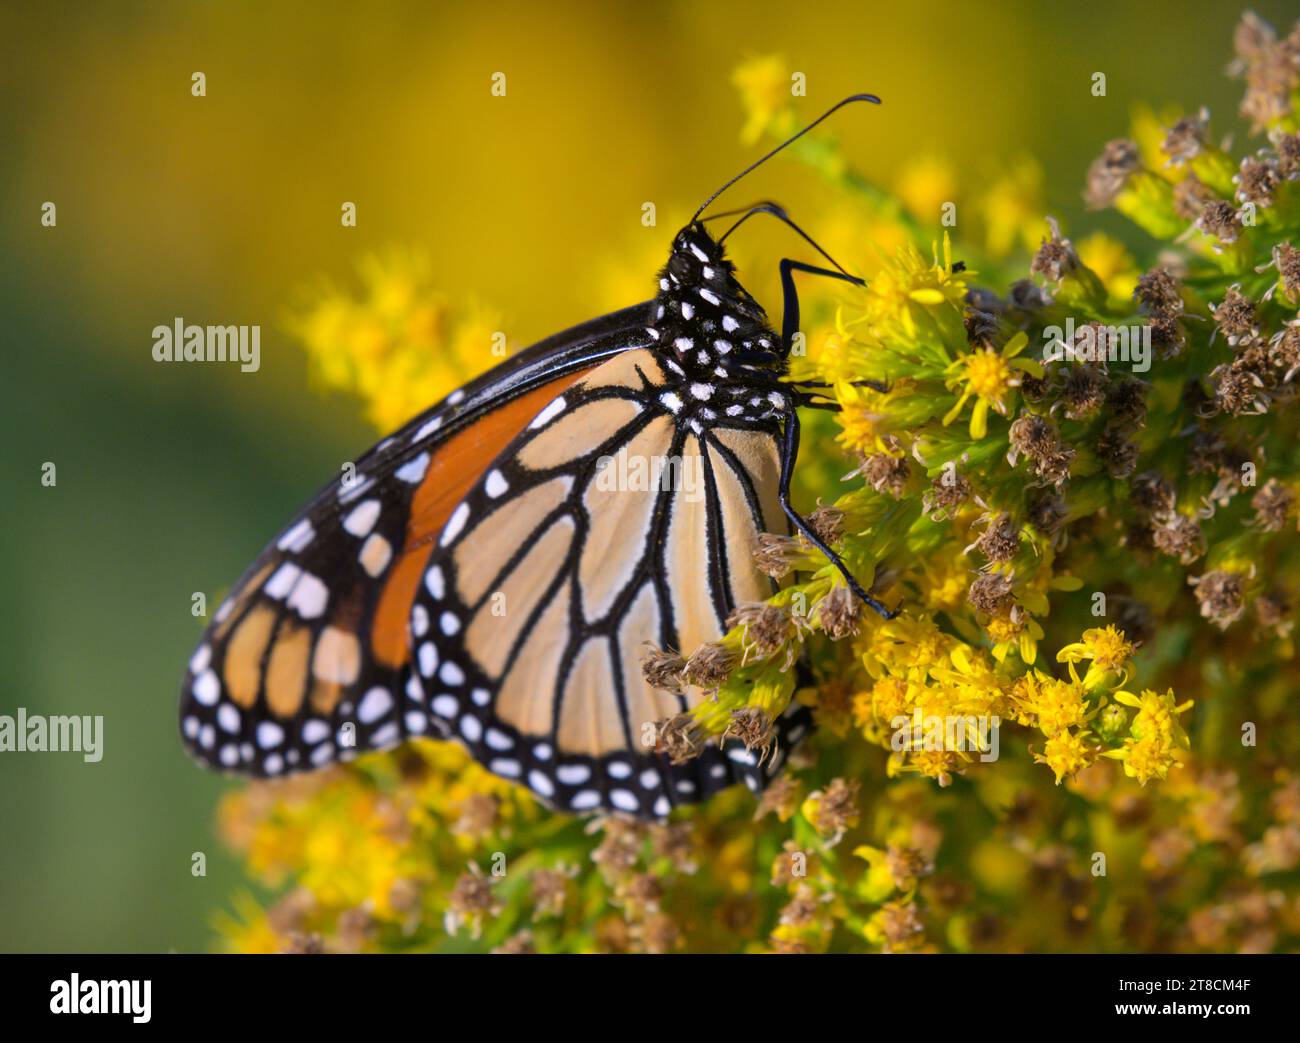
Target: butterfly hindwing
[(604, 526)]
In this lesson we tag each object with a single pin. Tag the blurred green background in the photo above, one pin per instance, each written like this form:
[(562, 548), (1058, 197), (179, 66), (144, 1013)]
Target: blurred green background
[(222, 209)]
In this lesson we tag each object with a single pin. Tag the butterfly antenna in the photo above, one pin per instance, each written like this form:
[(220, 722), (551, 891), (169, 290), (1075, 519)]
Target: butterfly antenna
[(785, 144)]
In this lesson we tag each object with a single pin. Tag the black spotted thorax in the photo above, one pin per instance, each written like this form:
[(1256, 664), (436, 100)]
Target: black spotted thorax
[(713, 337)]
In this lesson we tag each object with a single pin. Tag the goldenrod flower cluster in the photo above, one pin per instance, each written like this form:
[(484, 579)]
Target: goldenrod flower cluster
[(1071, 467)]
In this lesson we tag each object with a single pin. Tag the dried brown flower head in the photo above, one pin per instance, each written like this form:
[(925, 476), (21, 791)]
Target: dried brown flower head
[(1179, 537), (754, 728), (1256, 181), (550, 890), (1117, 453), (839, 613), (990, 593), (828, 523), (662, 670), (1159, 292), (1234, 316), (782, 797), (1082, 391), (478, 816), (981, 328), (948, 491), (678, 737), (709, 665), (471, 902), (1126, 401), (835, 808), (1220, 220), (1286, 258), (1272, 503), (1056, 257), (887, 473), (776, 555), (765, 629), (1185, 139), (1000, 540), (1110, 171), (1221, 595), (1153, 493)]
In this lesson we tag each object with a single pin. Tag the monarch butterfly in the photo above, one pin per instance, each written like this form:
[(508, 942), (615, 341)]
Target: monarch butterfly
[(476, 580)]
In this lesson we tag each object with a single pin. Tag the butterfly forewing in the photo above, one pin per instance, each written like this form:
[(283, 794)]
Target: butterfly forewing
[(307, 660)]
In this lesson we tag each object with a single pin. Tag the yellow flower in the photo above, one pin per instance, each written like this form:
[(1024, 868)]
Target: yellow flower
[(401, 344), (1067, 753), (971, 679), (1156, 740), (249, 930), (907, 646), (1016, 632), (1012, 209), (925, 184), (764, 86), (873, 709), (989, 375), (906, 288), (878, 883), (1108, 649), (1055, 705)]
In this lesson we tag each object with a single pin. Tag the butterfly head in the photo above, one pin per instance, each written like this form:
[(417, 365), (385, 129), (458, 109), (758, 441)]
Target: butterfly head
[(702, 314)]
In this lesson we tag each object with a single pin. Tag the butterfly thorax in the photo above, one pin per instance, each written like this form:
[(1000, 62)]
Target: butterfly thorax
[(713, 337)]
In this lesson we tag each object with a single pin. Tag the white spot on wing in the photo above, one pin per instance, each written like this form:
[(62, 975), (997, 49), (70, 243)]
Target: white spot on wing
[(548, 414), (573, 774), (434, 582), (297, 538), (540, 783), (413, 470), (455, 524), (228, 717), (374, 704), (363, 518), (314, 731), (282, 580), (200, 660), (309, 597), (269, 735), (207, 689), (427, 429)]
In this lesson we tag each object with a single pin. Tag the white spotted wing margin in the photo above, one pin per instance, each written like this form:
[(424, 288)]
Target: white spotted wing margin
[(564, 562), (306, 662)]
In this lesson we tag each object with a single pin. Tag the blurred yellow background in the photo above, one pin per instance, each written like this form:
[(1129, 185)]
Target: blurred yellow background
[(226, 209)]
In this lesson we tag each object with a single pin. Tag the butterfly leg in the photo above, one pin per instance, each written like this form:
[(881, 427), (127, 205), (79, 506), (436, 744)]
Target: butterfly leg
[(790, 306), (789, 454)]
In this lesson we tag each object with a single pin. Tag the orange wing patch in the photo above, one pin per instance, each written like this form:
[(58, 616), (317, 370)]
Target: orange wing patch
[(457, 465)]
